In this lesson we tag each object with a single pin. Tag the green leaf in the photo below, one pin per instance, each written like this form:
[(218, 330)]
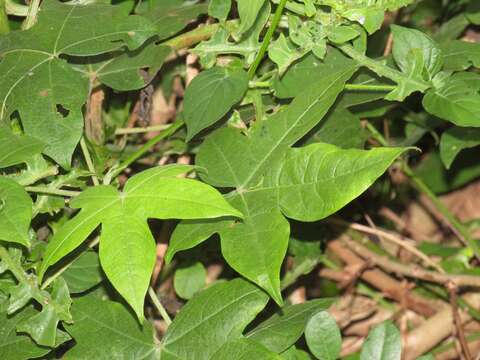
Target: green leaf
[(32, 65), (323, 336), (116, 333), (457, 100), (295, 354), (127, 255), (15, 346), (383, 343), (455, 140), (407, 40), (460, 55), (319, 179), (124, 72), (219, 9), (83, 273), (210, 96), (213, 317), (248, 11), (15, 149), (244, 349), (15, 212), (310, 70), (154, 193), (283, 53), (283, 329), (189, 279), (264, 233), (171, 16)]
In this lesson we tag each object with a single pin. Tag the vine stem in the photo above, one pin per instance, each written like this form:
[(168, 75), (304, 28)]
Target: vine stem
[(47, 190), (456, 226), (140, 130), (363, 87), (4, 25), (267, 39), (158, 305), (88, 160), (114, 172), (31, 15)]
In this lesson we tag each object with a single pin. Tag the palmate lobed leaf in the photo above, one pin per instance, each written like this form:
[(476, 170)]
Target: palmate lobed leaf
[(269, 178), (155, 193), (31, 64)]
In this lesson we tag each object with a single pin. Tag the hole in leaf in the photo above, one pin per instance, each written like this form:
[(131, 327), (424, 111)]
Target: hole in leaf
[(62, 111)]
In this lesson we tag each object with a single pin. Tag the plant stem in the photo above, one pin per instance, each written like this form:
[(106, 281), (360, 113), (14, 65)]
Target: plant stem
[(140, 130), (47, 190), (4, 25), (266, 39), (88, 160), (457, 227), (362, 87), (15, 9), (193, 37), (383, 70), (31, 18), (140, 152), (158, 305)]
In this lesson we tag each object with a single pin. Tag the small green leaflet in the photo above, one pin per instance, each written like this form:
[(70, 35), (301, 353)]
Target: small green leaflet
[(248, 11), (15, 212), (171, 16), (460, 55), (407, 40), (456, 100), (32, 64), (210, 95), (284, 328), (383, 343), (84, 273), (455, 140), (16, 149), (219, 9), (154, 193), (116, 333), (323, 336), (189, 279), (213, 317)]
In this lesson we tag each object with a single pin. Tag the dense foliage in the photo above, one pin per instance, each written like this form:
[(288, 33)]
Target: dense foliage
[(200, 160)]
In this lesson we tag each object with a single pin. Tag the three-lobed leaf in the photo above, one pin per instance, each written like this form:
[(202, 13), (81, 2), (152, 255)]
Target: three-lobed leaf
[(155, 193)]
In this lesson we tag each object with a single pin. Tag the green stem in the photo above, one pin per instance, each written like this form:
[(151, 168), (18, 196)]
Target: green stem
[(140, 130), (266, 39), (306, 266), (383, 70), (15, 9), (193, 37), (31, 18), (4, 25), (88, 160), (363, 87), (457, 227), (49, 191), (140, 152), (158, 305)]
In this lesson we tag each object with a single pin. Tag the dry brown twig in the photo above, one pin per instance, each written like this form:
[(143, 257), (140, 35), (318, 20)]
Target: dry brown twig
[(458, 328), (401, 241), (411, 270)]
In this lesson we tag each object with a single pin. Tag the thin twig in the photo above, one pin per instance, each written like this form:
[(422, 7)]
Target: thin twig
[(400, 241), (32, 12), (49, 191), (140, 130), (411, 270), (158, 305), (452, 290), (88, 160)]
